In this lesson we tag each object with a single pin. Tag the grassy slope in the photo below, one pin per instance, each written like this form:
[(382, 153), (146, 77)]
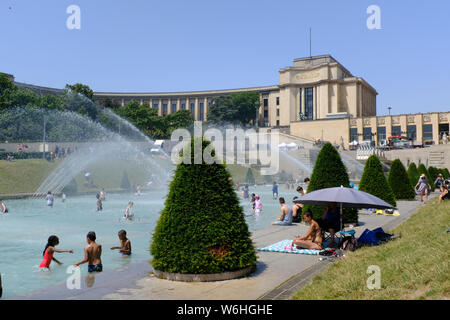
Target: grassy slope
[(413, 267), (25, 176)]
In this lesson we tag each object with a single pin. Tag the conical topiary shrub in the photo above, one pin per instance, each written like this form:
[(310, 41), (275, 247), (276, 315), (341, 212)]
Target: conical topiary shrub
[(202, 229), (413, 174), (250, 179), (71, 188), (433, 174), (374, 182), (422, 169), (125, 183), (329, 171), (399, 181), (447, 173)]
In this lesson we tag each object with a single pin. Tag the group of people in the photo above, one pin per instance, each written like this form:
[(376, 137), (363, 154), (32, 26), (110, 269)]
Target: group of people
[(92, 252), (423, 187), (443, 186)]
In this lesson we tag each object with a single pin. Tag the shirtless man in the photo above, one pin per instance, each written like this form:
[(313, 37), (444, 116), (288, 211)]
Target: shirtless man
[(286, 216), (313, 238), (92, 254)]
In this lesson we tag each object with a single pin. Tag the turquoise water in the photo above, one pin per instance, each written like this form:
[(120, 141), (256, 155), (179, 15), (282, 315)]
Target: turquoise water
[(25, 229)]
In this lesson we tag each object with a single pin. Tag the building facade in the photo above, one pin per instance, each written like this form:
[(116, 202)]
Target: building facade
[(316, 98)]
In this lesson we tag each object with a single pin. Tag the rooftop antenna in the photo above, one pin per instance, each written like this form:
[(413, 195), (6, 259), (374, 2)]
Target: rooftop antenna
[(310, 55)]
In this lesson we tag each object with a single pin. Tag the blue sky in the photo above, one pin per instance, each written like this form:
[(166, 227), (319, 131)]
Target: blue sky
[(153, 46)]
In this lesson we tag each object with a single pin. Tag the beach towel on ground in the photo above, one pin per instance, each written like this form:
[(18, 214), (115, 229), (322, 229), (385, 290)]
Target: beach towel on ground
[(280, 247)]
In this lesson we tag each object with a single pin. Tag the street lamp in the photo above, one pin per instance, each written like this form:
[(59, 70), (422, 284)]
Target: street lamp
[(389, 108), (43, 146), (257, 105)]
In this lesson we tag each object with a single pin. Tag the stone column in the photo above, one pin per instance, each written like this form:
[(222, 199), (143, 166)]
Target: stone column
[(205, 108), (169, 106), (160, 107)]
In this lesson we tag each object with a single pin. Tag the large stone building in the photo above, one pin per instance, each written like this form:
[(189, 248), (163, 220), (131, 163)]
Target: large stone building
[(317, 98)]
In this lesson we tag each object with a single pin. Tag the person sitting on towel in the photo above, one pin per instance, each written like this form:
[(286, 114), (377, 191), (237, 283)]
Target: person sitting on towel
[(313, 238)]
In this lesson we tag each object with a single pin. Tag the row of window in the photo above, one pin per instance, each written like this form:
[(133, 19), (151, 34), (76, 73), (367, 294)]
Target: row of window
[(411, 132), (183, 107)]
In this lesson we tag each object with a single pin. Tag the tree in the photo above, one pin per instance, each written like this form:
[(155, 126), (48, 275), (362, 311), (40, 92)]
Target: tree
[(433, 174), (329, 171), (204, 231), (422, 169), (399, 181), (373, 181), (237, 108), (413, 174), (82, 89), (125, 183), (179, 119), (71, 188), (250, 179)]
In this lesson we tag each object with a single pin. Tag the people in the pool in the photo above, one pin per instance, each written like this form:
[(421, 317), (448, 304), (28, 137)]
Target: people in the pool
[(125, 244), (49, 250), (92, 254)]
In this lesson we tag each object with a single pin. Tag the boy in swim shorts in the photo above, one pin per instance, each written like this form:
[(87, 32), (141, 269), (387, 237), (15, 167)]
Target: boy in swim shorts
[(125, 244), (92, 254)]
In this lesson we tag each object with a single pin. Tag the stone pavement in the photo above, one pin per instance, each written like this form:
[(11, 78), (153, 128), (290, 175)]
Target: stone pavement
[(278, 275)]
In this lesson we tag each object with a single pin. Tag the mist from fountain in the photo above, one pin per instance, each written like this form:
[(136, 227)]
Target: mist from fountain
[(96, 145)]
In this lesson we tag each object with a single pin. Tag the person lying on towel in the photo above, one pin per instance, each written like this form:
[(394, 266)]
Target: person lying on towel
[(313, 238)]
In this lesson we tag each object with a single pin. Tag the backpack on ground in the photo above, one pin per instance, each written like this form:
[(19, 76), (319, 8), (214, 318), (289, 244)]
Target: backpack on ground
[(349, 243)]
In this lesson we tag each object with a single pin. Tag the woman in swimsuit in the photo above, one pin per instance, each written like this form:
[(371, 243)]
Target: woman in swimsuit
[(50, 250), (313, 239)]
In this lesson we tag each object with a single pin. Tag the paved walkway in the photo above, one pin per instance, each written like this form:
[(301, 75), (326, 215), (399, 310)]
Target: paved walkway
[(277, 276)]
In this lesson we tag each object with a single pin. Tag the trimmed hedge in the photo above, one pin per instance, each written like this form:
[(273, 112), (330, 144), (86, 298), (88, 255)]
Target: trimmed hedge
[(202, 228), (413, 174), (250, 179), (433, 174), (399, 181), (422, 169), (329, 171), (373, 181), (125, 183)]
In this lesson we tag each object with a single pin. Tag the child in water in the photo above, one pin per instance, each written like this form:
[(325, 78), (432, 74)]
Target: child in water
[(125, 244), (128, 214), (50, 250), (92, 254), (99, 203)]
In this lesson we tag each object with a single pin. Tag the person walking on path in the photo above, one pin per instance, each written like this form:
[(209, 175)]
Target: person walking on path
[(424, 188)]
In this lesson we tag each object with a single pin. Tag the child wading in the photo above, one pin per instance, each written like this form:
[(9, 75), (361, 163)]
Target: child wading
[(92, 254), (125, 244), (49, 251)]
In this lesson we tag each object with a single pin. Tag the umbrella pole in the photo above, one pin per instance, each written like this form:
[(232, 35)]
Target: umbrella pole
[(340, 217)]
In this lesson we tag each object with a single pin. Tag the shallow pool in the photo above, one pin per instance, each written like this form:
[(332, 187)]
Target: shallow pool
[(25, 229)]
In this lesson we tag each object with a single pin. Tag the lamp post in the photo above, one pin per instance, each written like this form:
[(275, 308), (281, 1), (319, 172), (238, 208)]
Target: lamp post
[(43, 146), (389, 108), (257, 105)]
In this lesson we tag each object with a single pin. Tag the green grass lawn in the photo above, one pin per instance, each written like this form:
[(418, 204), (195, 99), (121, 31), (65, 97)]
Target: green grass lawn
[(416, 266), (25, 176)]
